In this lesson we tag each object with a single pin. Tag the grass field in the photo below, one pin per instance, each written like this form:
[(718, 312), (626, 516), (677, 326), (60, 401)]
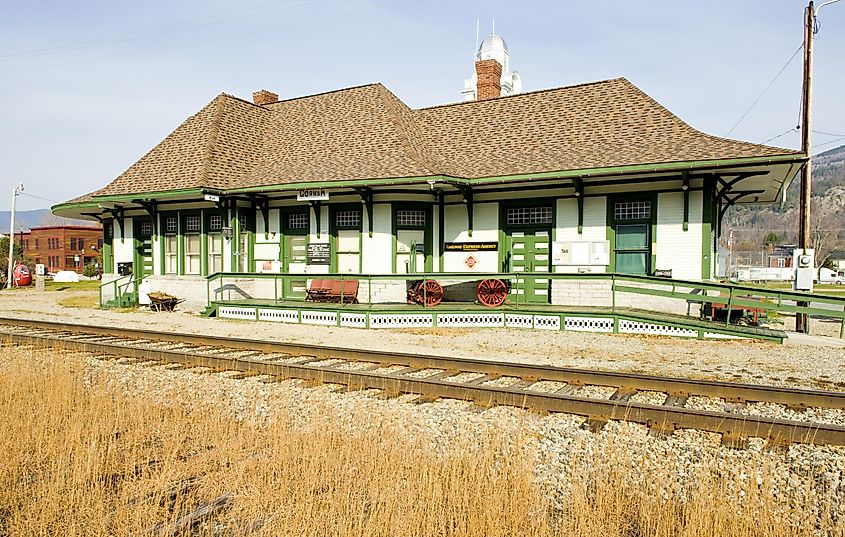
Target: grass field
[(78, 457), (83, 285)]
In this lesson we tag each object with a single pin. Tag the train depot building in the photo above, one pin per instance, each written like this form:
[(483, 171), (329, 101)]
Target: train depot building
[(259, 207)]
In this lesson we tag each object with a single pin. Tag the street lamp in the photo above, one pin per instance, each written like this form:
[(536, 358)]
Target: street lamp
[(17, 192)]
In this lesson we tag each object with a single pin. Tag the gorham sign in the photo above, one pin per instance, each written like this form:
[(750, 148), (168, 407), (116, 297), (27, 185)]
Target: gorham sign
[(312, 194)]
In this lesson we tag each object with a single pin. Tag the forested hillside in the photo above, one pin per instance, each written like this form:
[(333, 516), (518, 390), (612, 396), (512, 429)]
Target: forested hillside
[(752, 224)]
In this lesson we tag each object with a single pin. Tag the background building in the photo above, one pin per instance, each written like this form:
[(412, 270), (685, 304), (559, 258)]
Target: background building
[(62, 247)]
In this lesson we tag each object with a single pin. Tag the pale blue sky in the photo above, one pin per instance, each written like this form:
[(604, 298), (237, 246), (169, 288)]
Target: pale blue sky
[(87, 87)]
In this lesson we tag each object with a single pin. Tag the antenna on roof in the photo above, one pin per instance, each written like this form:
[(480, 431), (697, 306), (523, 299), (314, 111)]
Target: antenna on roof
[(477, 27)]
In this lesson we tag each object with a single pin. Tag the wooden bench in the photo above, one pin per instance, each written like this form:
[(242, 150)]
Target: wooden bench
[(342, 291)]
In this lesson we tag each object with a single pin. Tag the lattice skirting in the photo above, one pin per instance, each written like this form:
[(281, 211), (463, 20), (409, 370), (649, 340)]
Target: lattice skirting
[(469, 319), (636, 327), (232, 312), (588, 324)]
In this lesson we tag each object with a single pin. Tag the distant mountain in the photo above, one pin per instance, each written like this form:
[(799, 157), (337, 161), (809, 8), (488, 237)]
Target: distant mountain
[(751, 223), (34, 218)]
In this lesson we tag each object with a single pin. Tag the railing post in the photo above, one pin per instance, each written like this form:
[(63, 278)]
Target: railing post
[(342, 289), (276, 288), (613, 292), (730, 306)]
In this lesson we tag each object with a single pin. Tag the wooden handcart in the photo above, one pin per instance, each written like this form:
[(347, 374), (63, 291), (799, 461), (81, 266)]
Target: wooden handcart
[(163, 301), (428, 293)]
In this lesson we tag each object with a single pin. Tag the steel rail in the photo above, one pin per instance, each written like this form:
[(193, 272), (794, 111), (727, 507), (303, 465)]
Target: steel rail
[(664, 419), (729, 391)]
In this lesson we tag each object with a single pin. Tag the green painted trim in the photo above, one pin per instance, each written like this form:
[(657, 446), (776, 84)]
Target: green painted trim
[(441, 231), (707, 217), (686, 201), (180, 244), (642, 168), (108, 247)]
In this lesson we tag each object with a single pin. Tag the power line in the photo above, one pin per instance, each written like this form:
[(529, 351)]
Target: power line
[(218, 38), (757, 100), (38, 197), (830, 142), (828, 133), (793, 129), (137, 34)]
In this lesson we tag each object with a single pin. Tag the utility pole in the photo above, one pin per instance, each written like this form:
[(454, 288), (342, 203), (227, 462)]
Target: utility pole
[(802, 320), (17, 192)]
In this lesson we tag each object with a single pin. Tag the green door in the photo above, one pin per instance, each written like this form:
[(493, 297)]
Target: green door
[(632, 249), (143, 262), (294, 249), (529, 253)]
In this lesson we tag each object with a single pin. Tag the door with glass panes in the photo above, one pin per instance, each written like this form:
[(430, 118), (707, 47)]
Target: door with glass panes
[(412, 241), (346, 236), (632, 236), (294, 248), (143, 259), (215, 243), (528, 231)]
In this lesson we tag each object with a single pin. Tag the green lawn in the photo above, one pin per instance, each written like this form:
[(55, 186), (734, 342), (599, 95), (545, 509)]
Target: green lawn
[(84, 285), (819, 288)]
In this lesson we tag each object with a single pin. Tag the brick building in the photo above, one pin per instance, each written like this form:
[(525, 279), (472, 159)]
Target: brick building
[(62, 247)]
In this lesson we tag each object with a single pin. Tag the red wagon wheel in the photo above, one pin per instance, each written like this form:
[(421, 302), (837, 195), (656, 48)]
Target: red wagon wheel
[(433, 293), (492, 292)]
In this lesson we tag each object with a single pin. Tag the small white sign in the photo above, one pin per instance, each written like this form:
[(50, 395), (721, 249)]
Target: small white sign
[(211, 197), (312, 194)]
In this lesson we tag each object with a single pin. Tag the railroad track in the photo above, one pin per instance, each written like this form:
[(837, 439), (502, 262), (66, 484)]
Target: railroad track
[(487, 383)]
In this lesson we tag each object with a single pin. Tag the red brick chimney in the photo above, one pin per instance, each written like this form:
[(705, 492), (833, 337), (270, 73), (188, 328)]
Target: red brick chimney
[(489, 74), (264, 97)]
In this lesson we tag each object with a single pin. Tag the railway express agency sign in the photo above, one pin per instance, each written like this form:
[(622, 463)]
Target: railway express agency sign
[(471, 246), (312, 194)]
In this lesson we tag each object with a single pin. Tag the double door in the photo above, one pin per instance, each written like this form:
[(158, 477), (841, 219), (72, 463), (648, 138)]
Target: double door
[(529, 253)]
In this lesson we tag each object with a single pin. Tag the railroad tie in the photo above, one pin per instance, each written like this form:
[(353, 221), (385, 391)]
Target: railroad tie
[(676, 400), (622, 394)]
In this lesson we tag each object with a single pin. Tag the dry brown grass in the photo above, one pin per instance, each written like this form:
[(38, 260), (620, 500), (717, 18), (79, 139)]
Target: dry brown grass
[(80, 458)]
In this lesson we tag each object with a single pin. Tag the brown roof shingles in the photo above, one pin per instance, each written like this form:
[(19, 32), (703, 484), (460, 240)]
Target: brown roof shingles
[(366, 132)]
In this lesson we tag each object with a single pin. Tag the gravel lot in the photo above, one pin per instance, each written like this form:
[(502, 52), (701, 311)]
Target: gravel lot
[(809, 365)]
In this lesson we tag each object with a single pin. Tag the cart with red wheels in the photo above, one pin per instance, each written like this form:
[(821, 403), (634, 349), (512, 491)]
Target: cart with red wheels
[(492, 292), (426, 293)]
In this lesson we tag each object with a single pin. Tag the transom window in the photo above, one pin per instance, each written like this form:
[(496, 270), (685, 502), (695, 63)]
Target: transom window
[(348, 219), (170, 224), (410, 217), (192, 223), (146, 229), (242, 221), (632, 210), (215, 222), (529, 215), (298, 221)]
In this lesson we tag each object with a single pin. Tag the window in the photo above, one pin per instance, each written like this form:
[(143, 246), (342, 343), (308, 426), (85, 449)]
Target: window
[(146, 229), (215, 243), (192, 253), (781, 262), (36, 243), (298, 221), (170, 224), (516, 216), (81, 244), (192, 223), (215, 222), (632, 210), (73, 244), (350, 219), (410, 218)]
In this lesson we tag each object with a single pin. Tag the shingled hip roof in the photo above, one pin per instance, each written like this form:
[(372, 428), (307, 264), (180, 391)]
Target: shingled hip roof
[(367, 133)]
